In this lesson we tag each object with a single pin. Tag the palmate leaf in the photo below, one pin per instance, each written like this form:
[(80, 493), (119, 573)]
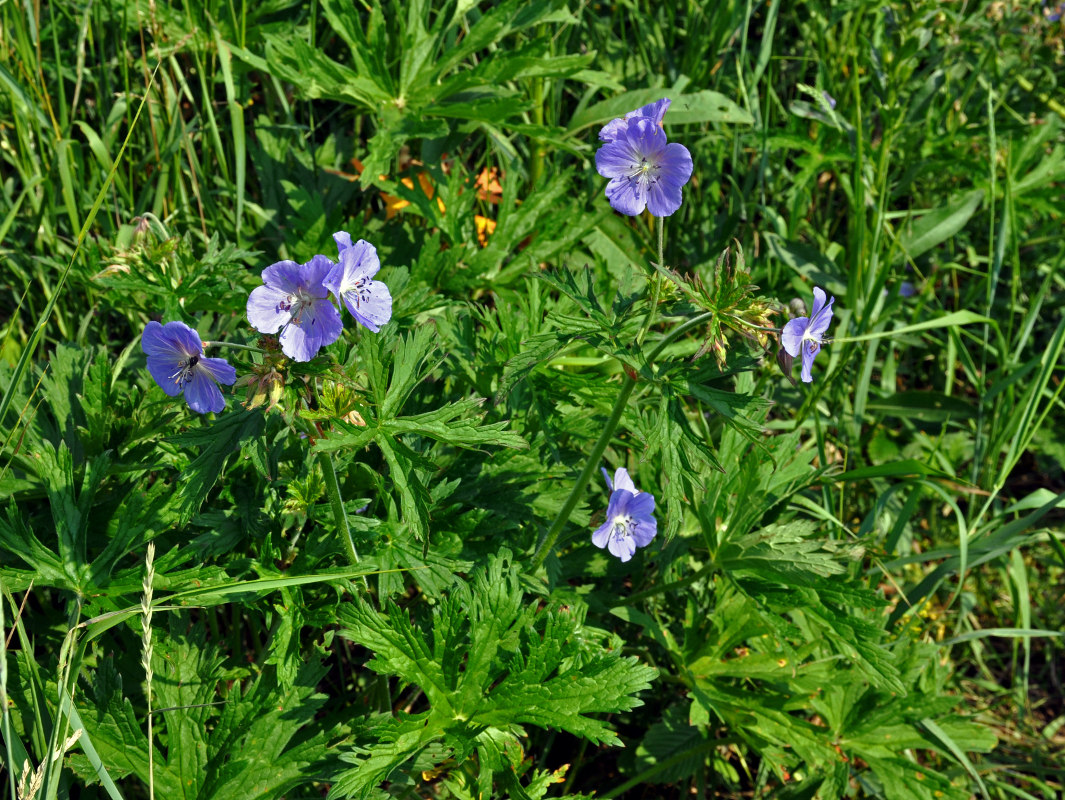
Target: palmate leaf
[(241, 746), (666, 738), (17, 538), (262, 725), (219, 442), (492, 661), (787, 551), (836, 721), (823, 610), (397, 741), (392, 382), (118, 734)]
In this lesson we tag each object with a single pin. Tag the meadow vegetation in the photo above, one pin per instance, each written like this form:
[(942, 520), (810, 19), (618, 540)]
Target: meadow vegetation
[(385, 564)]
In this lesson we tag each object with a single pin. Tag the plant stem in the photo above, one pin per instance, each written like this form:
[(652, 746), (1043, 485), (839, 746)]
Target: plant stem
[(656, 281), (340, 516), (604, 439), (586, 474)]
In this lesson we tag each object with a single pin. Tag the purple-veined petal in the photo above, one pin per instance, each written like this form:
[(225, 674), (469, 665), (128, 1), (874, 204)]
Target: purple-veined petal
[(319, 325), (622, 546), (618, 503), (617, 159), (676, 164), (644, 140), (663, 198), (626, 196), (357, 263), (820, 321), (611, 130), (219, 369), (373, 308), (323, 320), (314, 273), (298, 343), (265, 311), (173, 340), (674, 168), (165, 372), (361, 261), (284, 276), (642, 505), (606, 477), (791, 336), (656, 111), (202, 394), (809, 353), (184, 337), (644, 531), (155, 343), (819, 301)]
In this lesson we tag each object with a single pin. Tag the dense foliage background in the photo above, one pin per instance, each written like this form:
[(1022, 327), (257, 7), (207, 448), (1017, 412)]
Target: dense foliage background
[(856, 588)]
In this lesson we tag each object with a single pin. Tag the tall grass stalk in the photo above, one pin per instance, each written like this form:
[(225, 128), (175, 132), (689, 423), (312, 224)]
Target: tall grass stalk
[(146, 656)]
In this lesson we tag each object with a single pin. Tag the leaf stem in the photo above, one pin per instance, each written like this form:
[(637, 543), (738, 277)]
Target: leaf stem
[(751, 325), (234, 345)]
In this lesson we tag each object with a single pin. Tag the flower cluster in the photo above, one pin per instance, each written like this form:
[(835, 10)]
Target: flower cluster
[(295, 300), (644, 168), (646, 171)]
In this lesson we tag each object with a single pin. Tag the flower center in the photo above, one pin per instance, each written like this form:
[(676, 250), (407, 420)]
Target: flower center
[(811, 343), (621, 527), (185, 370), (645, 173), (361, 289), (295, 304)]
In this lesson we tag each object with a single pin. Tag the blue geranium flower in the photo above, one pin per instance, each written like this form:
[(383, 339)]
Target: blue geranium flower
[(805, 335), (351, 280), (629, 518), (177, 363), (644, 168), (295, 301)]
